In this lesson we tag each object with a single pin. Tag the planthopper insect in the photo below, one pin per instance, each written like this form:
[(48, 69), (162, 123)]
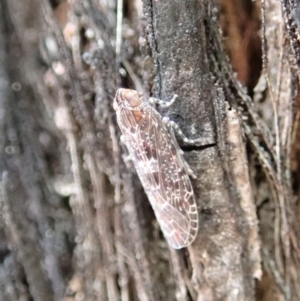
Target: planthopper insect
[(160, 165)]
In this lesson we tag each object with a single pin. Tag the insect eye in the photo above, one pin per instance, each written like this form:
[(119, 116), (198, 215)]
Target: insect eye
[(132, 97)]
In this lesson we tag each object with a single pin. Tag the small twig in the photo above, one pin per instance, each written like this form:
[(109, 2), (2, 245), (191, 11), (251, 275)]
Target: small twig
[(119, 37), (137, 82), (271, 266), (119, 27)]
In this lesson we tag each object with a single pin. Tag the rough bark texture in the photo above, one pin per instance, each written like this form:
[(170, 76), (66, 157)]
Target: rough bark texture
[(75, 223)]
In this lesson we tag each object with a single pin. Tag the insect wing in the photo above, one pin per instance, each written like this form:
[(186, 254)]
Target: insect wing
[(161, 169)]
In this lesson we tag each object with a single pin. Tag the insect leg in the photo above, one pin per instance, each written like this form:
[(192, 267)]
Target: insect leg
[(199, 142), (189, 171), (187, 168), (163, 104), (123, 139)]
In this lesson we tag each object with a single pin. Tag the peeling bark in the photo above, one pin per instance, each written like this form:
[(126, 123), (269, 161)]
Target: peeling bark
[(75, 223)]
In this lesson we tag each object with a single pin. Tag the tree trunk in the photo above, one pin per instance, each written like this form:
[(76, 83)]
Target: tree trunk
[(75, 223)]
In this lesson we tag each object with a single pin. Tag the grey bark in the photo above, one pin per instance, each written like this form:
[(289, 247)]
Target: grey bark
[(181, 69), (75, 223)]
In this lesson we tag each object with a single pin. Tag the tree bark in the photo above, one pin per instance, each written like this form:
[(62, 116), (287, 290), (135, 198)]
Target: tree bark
[(75, 223)]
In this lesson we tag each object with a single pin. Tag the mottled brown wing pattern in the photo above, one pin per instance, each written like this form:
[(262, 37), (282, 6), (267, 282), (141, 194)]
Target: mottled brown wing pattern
[(162, 171)]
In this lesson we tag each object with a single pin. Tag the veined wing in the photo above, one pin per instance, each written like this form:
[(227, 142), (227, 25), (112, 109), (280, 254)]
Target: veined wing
[(162, 171)]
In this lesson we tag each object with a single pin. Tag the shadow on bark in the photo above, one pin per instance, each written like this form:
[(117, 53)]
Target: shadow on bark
[(75, 223)]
